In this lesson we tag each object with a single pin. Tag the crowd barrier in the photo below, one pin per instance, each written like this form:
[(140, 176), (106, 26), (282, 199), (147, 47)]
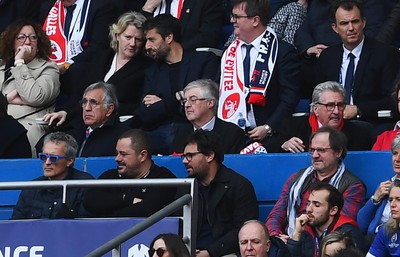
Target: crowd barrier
[(267, 172)]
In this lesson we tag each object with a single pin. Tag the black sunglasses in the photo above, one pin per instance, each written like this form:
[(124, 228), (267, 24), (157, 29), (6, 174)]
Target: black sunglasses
[(159, 251)]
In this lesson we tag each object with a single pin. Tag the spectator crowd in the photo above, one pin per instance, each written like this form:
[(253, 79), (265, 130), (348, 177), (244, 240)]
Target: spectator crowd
[(200, 79)]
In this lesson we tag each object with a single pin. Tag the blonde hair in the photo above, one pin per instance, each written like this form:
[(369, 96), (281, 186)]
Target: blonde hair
[(129, 18), (392, 225)]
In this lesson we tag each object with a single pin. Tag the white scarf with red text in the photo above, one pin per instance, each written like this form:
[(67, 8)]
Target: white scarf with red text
[(232, 102), (54, 28)]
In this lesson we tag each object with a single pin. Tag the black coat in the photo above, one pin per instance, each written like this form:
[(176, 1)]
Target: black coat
[(231, 202), (128, 81), (374, 78), (13, 140), (283, 91), (158, 81), (118, 202), (358, 133), (201, 23), (47, 203), (232, 138), (101, 142)]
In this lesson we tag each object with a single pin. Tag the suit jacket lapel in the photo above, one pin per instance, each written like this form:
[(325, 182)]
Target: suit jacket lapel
[(361, 66)]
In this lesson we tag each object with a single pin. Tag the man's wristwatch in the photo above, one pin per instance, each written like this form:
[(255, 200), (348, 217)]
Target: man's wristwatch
[(268, 129), (374, 201)]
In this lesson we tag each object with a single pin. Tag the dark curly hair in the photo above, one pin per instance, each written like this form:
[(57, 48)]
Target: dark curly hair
[(7, 39)]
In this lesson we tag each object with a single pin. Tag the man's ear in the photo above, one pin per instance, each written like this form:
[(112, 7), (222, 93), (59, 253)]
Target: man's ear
[(334, 27), (333, 211), (169, 38), (110, 109), (143, 155), (256, 21), (70, 162), (210, 157), (211, 103)]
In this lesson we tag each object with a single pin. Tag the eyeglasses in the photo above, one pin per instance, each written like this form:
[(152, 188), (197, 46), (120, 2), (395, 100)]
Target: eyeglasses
[(159, 251), (235, 17), (331, 106), (319, 150), (53, 158), (192, 100), (22, 38), (189, 156), (92, 102)]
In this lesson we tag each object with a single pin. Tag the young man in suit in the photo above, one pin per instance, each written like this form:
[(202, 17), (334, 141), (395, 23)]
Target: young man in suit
[(366, 68)]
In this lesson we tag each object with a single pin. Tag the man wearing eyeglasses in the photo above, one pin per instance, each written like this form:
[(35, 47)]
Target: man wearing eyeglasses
[(200, 100), (327, 150), (327, 107), (160, 112), (259, 73), (226, 199), (58, 157), (98, 129)]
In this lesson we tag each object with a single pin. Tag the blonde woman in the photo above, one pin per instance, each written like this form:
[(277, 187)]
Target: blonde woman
[(387, 241)]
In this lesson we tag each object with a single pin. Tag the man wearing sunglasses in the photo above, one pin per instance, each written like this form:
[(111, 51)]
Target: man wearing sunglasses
[(226, 199), (327, 150), (58, 157), (327, 108)]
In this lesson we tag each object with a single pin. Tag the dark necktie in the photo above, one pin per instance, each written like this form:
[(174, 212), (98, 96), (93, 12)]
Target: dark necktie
[(168, 6), (68, 19), (348, 84), (246, 66)]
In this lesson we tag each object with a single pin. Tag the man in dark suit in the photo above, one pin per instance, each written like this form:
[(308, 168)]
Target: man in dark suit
[(259, 73), (200, 102), (201, 21), (160, 111), (328, 103), (315, 35), (374, 66), (98, 128)]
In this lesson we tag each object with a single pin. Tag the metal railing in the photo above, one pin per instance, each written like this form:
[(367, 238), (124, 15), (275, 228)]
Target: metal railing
[(114, 245)]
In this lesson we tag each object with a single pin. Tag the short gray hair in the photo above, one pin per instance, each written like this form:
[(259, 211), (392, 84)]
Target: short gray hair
[(208, 89), (395, 143), (332, 86), (110, 96), (71, 146)]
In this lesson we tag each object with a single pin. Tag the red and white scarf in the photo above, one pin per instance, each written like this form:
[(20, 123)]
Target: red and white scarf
[(54, 28), (232, 102)]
